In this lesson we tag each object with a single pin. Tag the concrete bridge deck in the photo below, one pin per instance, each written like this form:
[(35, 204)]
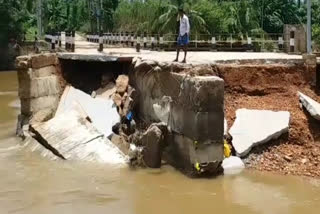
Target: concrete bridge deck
[(87, 48)]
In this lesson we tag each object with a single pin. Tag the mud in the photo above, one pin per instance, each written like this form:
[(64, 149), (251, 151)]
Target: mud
[(275, 87)]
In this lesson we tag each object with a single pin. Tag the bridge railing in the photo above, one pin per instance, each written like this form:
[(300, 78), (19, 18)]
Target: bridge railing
[(55, 39), (217, 42)]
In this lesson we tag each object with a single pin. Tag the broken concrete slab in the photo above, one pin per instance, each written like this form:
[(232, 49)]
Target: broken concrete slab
[(254, 127), (102, 112), (71, 136), (312, 106), (232, 165)]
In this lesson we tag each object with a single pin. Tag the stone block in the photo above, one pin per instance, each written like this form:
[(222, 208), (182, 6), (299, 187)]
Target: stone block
[(39, 87), (197, 125), (43, 60), (184, 153), (33, 105), (201, 93), (44, 71), (152, 140)]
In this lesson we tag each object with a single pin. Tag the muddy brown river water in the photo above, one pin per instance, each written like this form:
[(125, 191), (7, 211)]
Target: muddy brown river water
[(32, 184)]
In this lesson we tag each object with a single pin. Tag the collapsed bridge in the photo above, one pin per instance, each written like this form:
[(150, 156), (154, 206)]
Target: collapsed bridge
[(177, 110)]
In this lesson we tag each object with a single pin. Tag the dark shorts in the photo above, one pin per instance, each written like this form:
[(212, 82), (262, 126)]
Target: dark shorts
[(183, 40)]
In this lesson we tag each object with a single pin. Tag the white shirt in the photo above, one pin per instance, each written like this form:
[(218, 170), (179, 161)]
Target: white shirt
[(184, 25)]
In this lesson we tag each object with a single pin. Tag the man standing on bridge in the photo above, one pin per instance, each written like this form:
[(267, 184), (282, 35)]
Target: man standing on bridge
[(183, 37)]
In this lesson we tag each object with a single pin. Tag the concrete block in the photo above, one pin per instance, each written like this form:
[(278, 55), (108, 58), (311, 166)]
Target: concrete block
[(44, 71), (201, 93), (184, 153), (312, 106), (42, 60), (33, 105), (152, 140), (39, 87), (254, 127), (197, 125)]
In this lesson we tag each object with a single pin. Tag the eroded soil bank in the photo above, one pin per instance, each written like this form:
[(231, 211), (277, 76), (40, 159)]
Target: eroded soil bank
[(273, 86)]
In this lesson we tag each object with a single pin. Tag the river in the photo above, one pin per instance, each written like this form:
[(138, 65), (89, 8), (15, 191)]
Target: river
[(32, 184)]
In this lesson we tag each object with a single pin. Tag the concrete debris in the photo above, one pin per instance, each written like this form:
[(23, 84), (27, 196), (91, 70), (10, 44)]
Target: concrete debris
[(102, 112), (107, 91), (117, 99), (122, 83), (153, 142), (76, 139), (232, 165), (254, 127), (124, 100), (135, 155), (162, 109), (312, 106), (127, 105)]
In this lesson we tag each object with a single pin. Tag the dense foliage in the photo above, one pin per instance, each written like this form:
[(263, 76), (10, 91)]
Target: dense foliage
[(239, 17)]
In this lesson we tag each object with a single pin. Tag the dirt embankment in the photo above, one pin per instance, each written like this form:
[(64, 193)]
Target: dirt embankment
[(275, 87)]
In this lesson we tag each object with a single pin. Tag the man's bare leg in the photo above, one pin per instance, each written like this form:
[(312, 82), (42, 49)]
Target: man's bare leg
[(178, 51), (185, 54)]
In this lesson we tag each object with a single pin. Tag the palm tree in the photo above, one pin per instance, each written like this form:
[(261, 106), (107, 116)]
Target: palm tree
[(168, 20)]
